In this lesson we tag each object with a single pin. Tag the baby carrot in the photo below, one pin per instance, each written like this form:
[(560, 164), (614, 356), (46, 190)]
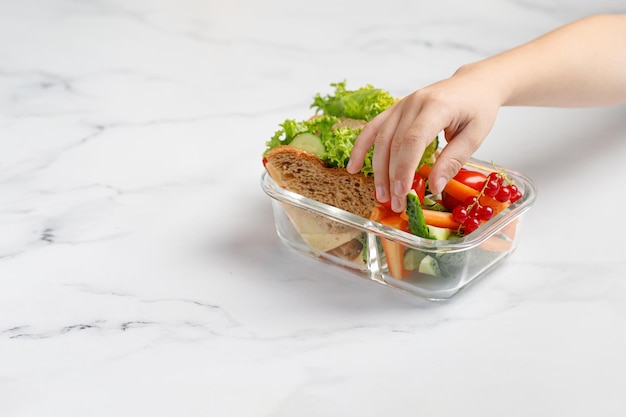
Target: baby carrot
[(439, 219)]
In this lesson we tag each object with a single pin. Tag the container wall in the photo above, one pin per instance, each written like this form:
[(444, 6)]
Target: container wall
[(439, 273), (320, 237)]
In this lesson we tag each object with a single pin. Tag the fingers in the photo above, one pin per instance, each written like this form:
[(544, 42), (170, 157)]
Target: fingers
[(364, 142), (383, 146), (371, 135), (416, 130), (453, 156), (399, 136), (401, 133)]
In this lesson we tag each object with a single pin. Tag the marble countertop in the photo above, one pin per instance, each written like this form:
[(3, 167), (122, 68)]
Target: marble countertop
[(140, 271)]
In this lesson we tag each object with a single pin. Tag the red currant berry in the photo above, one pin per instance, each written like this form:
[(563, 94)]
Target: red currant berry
[(459, 214), (473, 212), (491, 188), (504, 194), (470, 201), (470, 225), (516, 196), (495, 176), (485, 213)]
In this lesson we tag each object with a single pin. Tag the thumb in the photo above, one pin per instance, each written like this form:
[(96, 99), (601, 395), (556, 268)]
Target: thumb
[(451, 159)]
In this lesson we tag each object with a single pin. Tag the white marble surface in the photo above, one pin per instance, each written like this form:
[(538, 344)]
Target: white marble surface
[(140, 273)]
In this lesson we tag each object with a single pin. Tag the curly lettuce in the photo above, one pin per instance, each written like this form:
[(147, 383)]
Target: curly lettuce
[(430, 153), (361, 104), (364, 103), (339, 143)]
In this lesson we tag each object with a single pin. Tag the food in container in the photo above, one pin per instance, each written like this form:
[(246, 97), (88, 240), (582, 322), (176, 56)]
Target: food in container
[(437, 247)]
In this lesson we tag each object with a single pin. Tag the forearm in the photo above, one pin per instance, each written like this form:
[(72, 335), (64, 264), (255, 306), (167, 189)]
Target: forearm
[(580, 64)]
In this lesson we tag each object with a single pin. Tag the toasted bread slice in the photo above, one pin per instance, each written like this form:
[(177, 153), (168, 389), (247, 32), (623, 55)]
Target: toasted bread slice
[(307, 175)]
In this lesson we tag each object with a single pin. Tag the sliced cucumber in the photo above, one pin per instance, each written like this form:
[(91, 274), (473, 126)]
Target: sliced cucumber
[(429, 266), (412, 259), (308, 142), (439, 233), (431, 204), (417, 224)]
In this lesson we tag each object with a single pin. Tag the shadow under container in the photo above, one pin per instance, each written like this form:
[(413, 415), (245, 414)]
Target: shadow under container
[(431, 269)]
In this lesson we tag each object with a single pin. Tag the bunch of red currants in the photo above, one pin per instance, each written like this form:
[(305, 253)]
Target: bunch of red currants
[(472, 213)]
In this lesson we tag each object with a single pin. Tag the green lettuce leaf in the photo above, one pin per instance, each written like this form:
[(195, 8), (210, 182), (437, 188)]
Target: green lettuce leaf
[(338, 143), (429, 155), (363, 104)]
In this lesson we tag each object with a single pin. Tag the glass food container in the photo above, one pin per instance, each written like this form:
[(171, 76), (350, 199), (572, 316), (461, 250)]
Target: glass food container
[(432, 269)]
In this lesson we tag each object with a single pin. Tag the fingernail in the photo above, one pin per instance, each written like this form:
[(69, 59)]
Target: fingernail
[(395, 203), (380, 194), (349, 166), (398, 187)]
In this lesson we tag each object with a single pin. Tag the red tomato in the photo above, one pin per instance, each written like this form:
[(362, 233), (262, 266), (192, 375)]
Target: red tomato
[(473, 179), (419, 185), (449, 202)]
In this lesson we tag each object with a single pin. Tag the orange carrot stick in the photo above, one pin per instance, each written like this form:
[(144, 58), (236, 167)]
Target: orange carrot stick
[(424, 170), (394, 251), (496, 205), (439, 219), (396, 221)]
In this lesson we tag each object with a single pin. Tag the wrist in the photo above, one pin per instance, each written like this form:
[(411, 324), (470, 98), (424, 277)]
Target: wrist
[(493, 83)]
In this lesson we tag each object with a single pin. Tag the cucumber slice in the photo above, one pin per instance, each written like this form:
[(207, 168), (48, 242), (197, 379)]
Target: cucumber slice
[(439, 233), (429, 266), (308, 142), (431, 204), (417, 224), (412, 259)]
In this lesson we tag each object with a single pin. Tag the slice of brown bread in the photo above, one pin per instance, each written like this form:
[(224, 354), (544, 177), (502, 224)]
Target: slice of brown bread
[(307, 175)]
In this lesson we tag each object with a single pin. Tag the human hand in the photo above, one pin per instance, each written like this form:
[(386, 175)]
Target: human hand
[(464, 107)]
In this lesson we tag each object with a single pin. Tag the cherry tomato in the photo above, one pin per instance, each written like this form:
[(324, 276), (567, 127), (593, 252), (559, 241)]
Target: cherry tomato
[(419, 185), (473, 179), (449, 202)]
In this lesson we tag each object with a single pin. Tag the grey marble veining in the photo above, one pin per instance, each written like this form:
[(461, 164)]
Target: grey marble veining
[(140, 271)]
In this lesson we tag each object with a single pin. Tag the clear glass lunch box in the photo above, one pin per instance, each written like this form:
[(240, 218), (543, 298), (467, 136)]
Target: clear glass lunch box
[(435, 269)]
